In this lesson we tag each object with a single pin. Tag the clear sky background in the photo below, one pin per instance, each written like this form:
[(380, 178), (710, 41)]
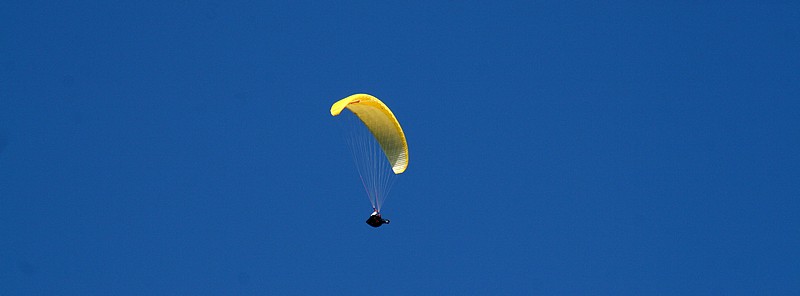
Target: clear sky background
[(557, 148)]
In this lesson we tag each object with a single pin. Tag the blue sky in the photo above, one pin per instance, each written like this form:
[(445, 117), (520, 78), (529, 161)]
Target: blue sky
[(556, 148)]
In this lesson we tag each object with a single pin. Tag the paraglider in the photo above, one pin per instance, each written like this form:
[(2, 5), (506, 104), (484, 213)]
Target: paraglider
[(378, 147), (375, 219)]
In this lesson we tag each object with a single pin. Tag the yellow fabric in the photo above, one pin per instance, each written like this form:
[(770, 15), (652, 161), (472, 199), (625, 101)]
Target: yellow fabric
[(381, 123)]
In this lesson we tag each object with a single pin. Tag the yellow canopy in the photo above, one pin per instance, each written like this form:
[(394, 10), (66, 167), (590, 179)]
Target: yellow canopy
[(381, 123)]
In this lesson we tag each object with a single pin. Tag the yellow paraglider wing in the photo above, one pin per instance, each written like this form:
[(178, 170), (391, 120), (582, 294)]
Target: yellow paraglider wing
[(381, 123)]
